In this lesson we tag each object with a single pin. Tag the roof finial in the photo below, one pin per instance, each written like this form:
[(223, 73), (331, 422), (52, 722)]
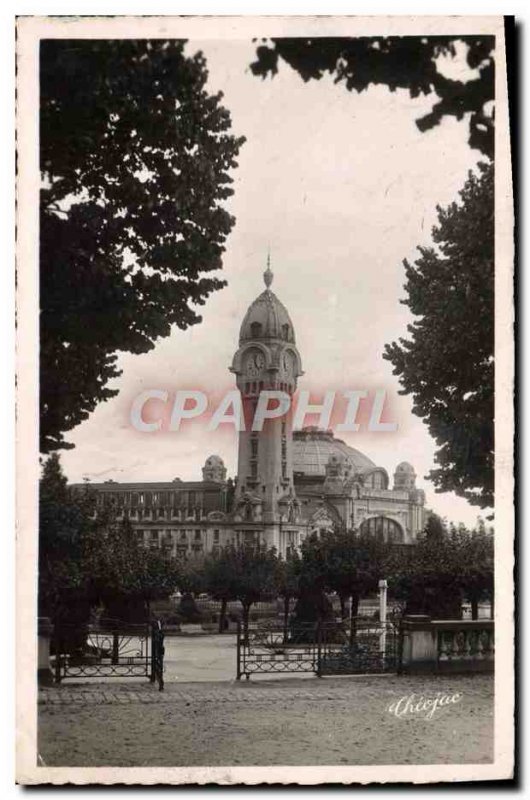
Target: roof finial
[(268, 275)]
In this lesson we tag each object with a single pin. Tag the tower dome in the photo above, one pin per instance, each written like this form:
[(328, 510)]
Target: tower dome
[(214, 469), (404, 476), (267, 317), (314, 449)]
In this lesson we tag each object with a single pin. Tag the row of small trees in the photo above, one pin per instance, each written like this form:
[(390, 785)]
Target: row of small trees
[(446, 566), (88, 560)]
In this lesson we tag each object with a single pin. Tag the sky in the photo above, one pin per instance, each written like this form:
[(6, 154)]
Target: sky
[(340, 188)]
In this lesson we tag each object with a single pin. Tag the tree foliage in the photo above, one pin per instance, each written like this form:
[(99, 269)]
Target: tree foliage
[(446, 566), (65, 523), (476, 557), (346, 562), (123, 575), (135, 158), (288, 573), (220, 580), (88, 560), (399, 62), (192, 575), (245, 572), (447, 363)]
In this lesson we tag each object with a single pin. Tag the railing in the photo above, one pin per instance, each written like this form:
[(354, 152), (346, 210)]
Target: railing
[(368, 647), (465, 643), (269, 648), (447, 645), (411, 644), (115, 650), (325, 648)]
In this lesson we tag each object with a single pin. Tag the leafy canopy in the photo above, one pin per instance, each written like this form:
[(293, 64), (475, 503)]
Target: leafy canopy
[(447, 362), (399, 62), (344, 561), (443, 567), (135, 157), (288, 571), (88, 559)]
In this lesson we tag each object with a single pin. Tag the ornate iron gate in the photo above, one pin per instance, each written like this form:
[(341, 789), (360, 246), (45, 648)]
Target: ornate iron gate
[(330, 648), (117, 650)]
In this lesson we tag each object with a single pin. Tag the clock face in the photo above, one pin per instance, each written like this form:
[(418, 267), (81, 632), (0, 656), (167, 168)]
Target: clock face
[(255, 364)]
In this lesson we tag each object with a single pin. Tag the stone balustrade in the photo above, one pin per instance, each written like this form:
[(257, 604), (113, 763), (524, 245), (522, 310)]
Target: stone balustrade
[(447, 645)]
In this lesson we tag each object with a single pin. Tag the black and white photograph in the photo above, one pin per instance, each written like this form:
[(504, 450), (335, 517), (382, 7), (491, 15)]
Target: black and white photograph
[(264, 400)]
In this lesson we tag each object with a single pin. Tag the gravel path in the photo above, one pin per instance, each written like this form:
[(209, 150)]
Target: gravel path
[(342, 721)]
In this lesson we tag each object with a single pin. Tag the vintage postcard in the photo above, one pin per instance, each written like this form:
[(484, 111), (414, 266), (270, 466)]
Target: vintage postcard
[(265, 400)]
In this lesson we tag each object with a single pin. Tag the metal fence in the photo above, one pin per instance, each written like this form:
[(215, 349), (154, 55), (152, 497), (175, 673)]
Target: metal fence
[(116, 650), (367, 647), (326, 648), (268, 648)]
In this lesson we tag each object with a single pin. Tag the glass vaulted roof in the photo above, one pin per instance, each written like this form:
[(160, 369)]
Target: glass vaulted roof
[(313, 447)]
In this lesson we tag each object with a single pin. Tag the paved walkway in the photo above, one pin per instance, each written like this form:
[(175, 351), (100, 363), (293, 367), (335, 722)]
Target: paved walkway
[(292, 722), (268, 691)]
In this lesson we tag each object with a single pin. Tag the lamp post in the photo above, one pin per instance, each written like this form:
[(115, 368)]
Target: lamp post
[(383, 587)]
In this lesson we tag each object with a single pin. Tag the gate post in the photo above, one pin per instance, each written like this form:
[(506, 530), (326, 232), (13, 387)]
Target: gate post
[(238, 651)]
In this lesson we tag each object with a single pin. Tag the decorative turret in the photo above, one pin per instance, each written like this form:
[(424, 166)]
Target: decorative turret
[(214, 470), (267, 318), (267, 357), (404, 477), (338, 470), (337, 466)]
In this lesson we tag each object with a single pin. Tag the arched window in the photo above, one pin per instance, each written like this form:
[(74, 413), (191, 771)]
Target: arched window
[(383, 528)]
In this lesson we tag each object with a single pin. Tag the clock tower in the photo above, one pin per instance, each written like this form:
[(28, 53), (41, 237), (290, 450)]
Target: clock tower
[(267, 360)]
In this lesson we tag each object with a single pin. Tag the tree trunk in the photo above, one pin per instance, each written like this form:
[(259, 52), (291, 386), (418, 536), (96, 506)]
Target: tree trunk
[(492, 606), (115, 647), (474, 608), (222, 615), (342, 600), (286, 600)]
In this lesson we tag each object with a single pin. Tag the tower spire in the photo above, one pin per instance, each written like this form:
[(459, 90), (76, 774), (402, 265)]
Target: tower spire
[(268, 275)]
